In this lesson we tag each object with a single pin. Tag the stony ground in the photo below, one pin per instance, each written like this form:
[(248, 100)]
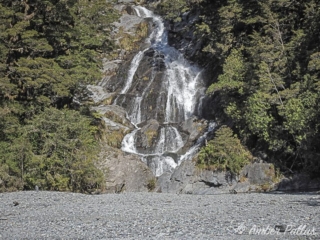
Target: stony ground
[(54, 215)]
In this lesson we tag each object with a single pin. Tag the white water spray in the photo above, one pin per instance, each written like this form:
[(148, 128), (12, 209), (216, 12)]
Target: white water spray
[(180, 91)]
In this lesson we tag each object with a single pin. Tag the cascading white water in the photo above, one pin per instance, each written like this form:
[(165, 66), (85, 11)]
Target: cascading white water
[(180, 77), (132, 70), (181, 82), (180, 88), (128, 142), (158, 35), (193, 150), (135, 114), (170, 140)]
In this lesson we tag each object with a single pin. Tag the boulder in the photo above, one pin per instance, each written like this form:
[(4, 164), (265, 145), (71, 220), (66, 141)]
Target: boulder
[(188, 178), (126, 1), (146, 136), (259, 173), (299, 182), (98, 93), (124, 172), (194, 127), (116, 114), (115, 124)]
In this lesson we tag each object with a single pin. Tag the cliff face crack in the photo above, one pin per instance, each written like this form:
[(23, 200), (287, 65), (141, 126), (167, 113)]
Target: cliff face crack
[(211, 184)]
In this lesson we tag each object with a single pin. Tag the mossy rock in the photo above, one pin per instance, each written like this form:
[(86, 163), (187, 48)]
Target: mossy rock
[(114, 138), (151, 135)]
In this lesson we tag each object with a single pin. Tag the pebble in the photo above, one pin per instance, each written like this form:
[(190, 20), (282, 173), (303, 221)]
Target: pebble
[(58, 215)]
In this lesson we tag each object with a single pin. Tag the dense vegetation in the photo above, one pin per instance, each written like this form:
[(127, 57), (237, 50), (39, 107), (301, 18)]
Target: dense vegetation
[(224, 152), (265, 63), (49, 49), (267, 57)]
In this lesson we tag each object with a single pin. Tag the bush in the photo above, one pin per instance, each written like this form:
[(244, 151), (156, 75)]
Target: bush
[(151, 184), (224, 152), (56, 150)]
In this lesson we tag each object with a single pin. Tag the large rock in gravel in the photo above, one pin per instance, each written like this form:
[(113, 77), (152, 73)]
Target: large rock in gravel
[(299, 182), (188, 178)]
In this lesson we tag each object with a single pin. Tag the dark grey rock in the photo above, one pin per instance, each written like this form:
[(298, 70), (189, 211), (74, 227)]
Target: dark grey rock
[(299, 182), (147, 135), (126, 1), (194, 127), (259, 173), (187, 178), (280, 228), (314, 201), (244, 187)]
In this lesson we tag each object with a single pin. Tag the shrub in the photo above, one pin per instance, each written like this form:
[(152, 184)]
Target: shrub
[(151, 185), (224, 152)]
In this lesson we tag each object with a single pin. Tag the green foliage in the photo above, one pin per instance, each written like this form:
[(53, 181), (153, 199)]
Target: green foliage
[(233, 74), (224, 152), (265, 61), (48, 50), (173, 9), (151, 185), (56, 150), (257, 115)]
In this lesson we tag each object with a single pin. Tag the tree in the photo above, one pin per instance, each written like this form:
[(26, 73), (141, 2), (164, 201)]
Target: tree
[(268, 86), (64, 142), (49, 49)]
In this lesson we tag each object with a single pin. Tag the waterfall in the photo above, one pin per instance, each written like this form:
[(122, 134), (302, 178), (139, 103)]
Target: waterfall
[(170, 140), (128, 142), (132, 70), (176, 95), (193, 150)]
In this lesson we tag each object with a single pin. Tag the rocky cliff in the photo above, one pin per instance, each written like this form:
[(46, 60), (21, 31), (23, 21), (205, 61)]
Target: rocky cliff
[(150, 123)]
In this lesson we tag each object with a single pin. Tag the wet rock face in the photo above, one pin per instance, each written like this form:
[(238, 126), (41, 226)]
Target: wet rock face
[(123, 172), (181, 35), (193, 127), (152, 86), (146, 88), (160, 138), (115, 124), (147, 136), (148, 98), (160, 91)]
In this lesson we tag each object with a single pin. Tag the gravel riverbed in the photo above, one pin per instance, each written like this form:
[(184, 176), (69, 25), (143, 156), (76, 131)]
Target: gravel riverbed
[(57, 215)]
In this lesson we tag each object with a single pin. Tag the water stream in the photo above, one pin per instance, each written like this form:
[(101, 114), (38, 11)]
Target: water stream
[(179, 92)]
